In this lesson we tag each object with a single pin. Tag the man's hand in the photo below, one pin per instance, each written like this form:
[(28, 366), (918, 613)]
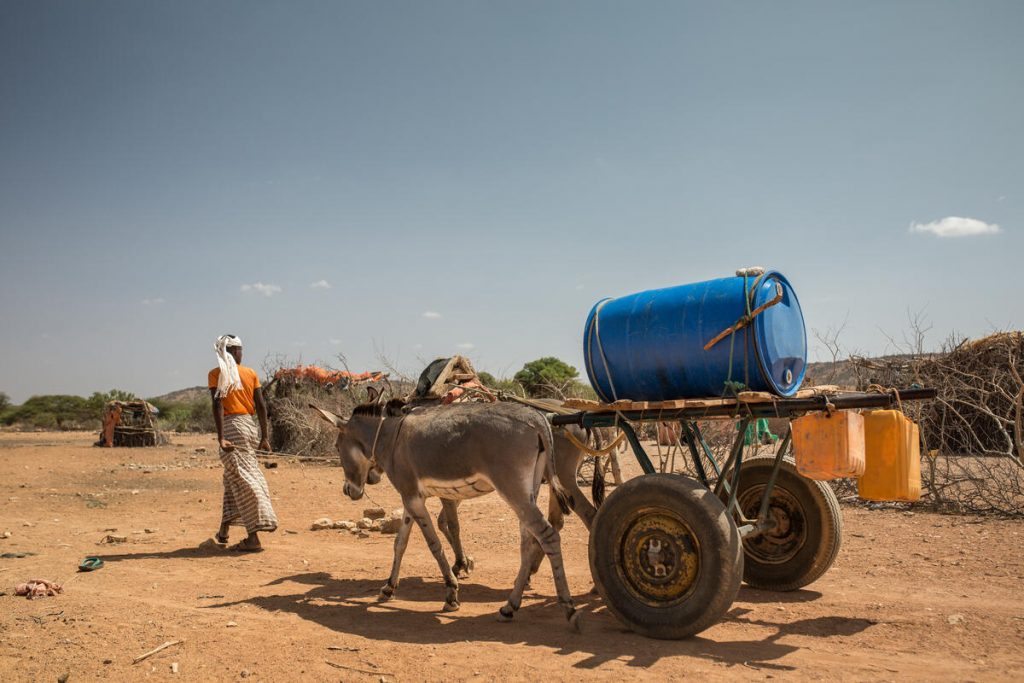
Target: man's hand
[(265, 445), (226, 446)]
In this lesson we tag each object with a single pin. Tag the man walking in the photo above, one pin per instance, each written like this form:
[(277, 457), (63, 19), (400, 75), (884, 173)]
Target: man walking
[(236, 397)]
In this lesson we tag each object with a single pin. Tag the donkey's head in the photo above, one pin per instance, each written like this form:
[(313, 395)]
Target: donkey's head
[(355, 443)]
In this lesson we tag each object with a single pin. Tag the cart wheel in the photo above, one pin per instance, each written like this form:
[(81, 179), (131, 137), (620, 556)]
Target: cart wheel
[(665, 556), (808, 526)]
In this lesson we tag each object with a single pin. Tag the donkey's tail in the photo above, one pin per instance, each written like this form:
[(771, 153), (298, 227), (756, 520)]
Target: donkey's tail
[(547, 442), (597, 486)]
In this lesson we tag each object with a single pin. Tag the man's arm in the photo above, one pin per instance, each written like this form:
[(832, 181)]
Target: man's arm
[(261, 413), (218, 419)]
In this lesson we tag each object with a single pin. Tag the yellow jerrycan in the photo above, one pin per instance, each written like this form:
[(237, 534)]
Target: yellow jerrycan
[(829, 446), (892, 450)]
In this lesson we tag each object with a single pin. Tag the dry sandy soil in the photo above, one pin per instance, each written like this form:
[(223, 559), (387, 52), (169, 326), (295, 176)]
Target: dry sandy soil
[(911, 596)]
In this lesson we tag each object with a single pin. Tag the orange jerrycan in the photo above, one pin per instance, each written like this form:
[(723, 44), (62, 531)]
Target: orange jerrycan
[(829, 446), (892, 449)]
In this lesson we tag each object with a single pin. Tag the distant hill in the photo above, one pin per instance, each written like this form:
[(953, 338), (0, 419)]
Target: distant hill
[(189, 395)]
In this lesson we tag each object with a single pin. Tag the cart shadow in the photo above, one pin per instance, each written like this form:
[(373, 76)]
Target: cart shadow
[(761, 597), (350, 606)]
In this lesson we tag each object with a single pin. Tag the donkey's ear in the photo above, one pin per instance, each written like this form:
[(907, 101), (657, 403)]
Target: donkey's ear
[(372, 394), (336, 420)]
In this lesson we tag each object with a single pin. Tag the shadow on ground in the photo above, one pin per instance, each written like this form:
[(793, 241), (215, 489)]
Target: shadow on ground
[(349, 606)]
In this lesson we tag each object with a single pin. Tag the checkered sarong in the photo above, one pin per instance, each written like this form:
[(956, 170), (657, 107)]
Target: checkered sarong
[(246, 496)]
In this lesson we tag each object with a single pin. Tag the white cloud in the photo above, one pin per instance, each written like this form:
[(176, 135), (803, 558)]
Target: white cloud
[(320, 284), (153, 302), (261, 288), (431, 315), (954, 226), (466, 346)]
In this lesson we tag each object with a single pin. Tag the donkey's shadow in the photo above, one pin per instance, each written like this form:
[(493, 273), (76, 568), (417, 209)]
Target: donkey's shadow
[(350, 606)]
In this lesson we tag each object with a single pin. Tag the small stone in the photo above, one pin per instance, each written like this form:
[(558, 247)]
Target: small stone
[(391, 525), (364, 523), (397, 513), (322, 523), (111, 538), (6, 534), (108, 661), (955, 619), (363, 534), (343, 524), (245, 673), (231, 624), (135, 492), (150, 530), (201, 449), (374, 513), (174, 667)]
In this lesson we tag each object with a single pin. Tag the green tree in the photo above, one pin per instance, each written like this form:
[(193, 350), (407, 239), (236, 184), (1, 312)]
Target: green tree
[(547, 377), (5, 401), (487, 379)]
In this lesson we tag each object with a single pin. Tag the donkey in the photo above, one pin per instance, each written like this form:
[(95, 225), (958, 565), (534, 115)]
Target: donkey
[(567, 458), (458, 452)]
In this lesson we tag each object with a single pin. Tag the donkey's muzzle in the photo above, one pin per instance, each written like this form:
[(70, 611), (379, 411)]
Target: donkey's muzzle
[(352, 492)]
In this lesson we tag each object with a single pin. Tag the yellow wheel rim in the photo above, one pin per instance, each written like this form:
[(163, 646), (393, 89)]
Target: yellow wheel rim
[(658, 557)]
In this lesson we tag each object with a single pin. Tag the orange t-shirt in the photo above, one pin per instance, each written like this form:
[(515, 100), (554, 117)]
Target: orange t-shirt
[(240, 401)]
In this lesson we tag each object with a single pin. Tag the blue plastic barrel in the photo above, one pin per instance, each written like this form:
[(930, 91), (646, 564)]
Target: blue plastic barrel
[(650, 346)]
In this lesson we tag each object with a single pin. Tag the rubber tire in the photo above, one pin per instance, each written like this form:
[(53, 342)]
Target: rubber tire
[(824, 526), (721, 555)]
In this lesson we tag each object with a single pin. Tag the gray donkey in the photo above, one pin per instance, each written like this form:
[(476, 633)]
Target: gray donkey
[(458, 452)]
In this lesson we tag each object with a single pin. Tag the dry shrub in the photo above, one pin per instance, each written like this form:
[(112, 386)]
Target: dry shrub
[(297, 429)]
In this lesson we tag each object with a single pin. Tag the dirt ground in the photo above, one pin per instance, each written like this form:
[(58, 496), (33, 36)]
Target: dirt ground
[(911, 596)]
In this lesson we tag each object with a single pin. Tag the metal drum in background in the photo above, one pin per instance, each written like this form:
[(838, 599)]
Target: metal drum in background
[(650, 346)]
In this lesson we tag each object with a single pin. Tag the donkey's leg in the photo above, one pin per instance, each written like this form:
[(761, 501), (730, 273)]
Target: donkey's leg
[(533, 520), (417, 508), (448, 523), (528, 548), (387, 591), (557, 519)]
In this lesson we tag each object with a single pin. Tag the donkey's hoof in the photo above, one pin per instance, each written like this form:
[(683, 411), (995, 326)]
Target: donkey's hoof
[(451, 607), (505, 614), (463, 568), (387, 592)]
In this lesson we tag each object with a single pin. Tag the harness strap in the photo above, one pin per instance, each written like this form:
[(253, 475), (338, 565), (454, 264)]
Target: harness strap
[(590, 451)]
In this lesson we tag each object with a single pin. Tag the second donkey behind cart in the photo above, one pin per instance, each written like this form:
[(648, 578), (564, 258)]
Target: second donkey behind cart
[(458, 452)]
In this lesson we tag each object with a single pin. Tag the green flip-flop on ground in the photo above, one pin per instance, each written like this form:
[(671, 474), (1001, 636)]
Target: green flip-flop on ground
[(90, 564)]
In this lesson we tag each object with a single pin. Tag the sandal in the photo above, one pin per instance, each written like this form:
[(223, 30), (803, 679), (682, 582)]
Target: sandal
[(90, 564), (240, 547)]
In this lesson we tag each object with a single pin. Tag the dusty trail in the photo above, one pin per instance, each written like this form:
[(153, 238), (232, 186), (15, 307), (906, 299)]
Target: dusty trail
[(912, 596)]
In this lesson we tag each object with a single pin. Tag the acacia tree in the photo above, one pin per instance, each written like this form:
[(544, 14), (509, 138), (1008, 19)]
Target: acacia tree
[(547, 377)]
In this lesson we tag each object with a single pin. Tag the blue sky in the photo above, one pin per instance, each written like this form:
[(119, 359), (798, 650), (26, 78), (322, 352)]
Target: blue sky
[(471, 176)]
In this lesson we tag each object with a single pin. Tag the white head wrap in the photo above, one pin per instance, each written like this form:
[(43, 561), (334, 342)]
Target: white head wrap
[(229, 379)]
